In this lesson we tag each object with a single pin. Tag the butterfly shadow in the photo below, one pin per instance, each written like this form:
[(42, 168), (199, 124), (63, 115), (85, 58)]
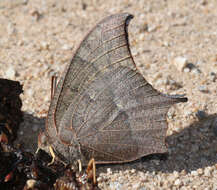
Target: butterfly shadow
[(194, 147), (28, 132), (190, 149)]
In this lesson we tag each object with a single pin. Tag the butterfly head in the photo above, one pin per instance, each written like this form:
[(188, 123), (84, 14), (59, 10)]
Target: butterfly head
[(43, 142)]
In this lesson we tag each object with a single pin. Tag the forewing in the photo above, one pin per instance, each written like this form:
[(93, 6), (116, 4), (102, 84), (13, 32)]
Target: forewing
[(104, 47)]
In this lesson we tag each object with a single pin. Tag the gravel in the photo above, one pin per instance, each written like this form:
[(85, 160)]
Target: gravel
[(38, 38), (180, 63)]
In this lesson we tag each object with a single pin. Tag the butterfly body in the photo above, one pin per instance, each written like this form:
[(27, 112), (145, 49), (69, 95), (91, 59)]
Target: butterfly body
[(103, 108)]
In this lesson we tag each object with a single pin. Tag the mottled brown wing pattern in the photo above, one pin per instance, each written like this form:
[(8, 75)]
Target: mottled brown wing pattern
[(103, 106), (123, 119), (105, 45)]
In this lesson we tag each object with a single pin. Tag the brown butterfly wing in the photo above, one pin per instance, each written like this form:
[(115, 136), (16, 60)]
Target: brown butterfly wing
[(104, 104), (93, 55), (124, 118)]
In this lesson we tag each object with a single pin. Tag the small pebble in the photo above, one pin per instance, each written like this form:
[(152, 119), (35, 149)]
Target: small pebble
[(116, 185), (186, 70), (152, 28), (212, 76), (99, 179), (20, 42), (44, 45), (203, 89), (171, 114), (196, 71), (200, 171), (178, 182), (136, 186), (133, 171), (180, 63), (172, 84), (11, 28), (25, 2), (176, 174), (66, 47), (194, 173), (166, 44), (29, 92), (186, 181), (145, 27), (207, 171), (109, 171), (10, 73), (35, 14)]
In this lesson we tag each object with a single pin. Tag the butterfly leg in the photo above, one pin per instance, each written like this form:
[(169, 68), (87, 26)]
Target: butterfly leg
[(92, 167), (52, 154), (79, 165), (36, 152)]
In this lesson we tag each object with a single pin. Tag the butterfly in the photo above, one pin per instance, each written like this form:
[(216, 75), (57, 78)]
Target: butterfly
[(102, 107)]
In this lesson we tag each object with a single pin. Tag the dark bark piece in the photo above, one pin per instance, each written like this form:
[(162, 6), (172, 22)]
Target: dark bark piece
[(103, 108), (10, 109)]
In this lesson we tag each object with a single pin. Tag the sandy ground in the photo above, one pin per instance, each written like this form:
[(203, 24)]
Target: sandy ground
[(174, 45)]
